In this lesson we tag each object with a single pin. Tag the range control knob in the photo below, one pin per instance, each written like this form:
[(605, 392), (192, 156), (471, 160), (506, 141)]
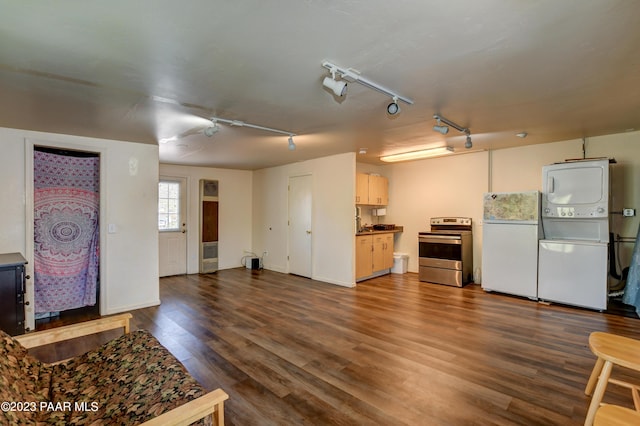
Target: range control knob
[(600, 210), (547, 210)]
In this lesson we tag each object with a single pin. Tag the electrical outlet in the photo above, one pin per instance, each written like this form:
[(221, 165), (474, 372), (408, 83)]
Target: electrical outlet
[(628, 212)]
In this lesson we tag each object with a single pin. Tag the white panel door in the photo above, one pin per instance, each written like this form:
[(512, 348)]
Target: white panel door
[(172, 226), (300, 236)]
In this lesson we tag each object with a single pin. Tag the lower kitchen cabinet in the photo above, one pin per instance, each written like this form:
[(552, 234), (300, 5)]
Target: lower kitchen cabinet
[(374, 254), (12, 283)]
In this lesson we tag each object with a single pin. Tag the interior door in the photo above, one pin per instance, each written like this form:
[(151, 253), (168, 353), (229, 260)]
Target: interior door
[(172, 226), (300, 232)]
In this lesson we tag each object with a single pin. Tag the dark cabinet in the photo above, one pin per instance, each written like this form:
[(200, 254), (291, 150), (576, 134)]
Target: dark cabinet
[(12, 288)]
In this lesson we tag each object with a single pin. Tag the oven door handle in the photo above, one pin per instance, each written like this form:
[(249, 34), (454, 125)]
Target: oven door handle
[(452, 239)]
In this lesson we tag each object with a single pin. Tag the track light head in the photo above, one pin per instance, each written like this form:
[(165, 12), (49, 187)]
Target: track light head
[(212, 130), (442, 129), (393, 108), (468, 144), (338, 87), (292, 146), (439, 127)]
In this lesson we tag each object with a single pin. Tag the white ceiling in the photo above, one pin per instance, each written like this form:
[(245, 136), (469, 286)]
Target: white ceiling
[(148, 70)]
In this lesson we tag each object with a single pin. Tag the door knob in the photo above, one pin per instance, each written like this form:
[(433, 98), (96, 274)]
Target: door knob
[(308, 232)]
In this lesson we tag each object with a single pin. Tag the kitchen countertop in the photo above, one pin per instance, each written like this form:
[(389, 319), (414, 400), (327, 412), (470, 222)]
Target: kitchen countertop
[(387, 231)]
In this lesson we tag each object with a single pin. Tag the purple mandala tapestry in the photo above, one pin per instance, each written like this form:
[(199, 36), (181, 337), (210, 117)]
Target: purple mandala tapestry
[(66, 202)]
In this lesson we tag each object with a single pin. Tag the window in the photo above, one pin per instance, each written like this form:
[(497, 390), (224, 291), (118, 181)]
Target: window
[(169, 206)]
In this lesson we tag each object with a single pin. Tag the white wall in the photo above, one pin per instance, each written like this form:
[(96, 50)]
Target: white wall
[(333, 243), (625, 177), (234, 210), (520, 169), (443, 186), (129, 257)]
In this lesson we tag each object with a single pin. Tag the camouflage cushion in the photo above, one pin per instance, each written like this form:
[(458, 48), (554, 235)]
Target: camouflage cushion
[(24, 382), (126, 381)]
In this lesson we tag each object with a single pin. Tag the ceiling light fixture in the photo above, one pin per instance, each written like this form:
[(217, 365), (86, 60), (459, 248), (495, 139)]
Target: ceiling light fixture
[(238, 123), (352, 76), (339, 88), (522, 135), (440, 128), (210, 131), (416, 155), (444, 129), (393, 108)]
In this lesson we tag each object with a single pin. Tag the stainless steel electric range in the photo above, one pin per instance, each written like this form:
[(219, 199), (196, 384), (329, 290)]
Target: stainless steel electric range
[(446, 252)]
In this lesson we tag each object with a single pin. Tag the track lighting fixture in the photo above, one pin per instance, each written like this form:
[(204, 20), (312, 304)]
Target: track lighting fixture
[(393, 108), (445, 129), (352, 76), (339, 88), (238, 123)]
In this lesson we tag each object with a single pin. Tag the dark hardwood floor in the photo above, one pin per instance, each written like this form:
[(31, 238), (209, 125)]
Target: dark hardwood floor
[(393, 350)]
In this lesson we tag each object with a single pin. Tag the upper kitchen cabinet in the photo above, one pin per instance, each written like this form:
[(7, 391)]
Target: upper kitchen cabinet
[(362, 188), (378, 190), (372, 190)]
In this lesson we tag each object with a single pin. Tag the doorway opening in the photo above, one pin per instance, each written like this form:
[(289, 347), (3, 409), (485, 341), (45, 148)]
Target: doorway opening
[(66, 208), (172, 226)]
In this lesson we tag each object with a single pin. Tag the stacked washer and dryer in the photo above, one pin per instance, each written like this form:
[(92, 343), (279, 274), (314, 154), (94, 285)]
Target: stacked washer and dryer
[(573, 255)]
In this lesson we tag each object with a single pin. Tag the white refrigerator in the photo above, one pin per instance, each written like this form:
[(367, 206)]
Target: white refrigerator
[(510, 234)]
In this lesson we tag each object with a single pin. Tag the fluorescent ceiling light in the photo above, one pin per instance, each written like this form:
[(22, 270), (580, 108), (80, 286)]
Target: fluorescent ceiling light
[(416, 155)]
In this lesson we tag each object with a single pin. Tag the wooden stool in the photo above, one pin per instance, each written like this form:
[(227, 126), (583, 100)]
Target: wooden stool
[(614, 415), (611, 349)]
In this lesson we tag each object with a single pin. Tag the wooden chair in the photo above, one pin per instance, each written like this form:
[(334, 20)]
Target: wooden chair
[(611, 349), (614, 415)]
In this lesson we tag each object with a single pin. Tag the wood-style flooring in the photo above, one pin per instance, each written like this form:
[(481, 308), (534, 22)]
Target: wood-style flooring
[(391, 351)]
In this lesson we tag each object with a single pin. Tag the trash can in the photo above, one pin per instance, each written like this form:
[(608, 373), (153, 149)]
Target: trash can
[(400, 262)]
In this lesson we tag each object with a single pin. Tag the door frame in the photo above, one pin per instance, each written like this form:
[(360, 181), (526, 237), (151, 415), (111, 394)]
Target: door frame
[(289, 236), (30, 221), (184, 207)]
